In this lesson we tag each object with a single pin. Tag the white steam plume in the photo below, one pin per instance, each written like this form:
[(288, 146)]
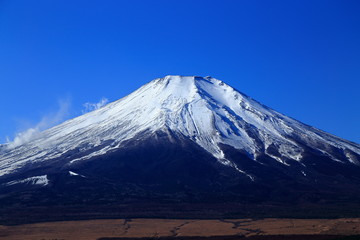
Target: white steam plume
[(89, 107), (46, 121)]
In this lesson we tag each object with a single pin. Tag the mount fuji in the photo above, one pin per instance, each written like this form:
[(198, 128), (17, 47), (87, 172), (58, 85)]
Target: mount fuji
[(181, 140)]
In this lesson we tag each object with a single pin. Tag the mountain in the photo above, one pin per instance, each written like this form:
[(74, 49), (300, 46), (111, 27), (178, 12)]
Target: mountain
[(177, 139)]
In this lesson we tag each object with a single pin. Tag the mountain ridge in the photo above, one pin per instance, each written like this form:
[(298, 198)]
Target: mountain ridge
[(182, 140), (204, 109)]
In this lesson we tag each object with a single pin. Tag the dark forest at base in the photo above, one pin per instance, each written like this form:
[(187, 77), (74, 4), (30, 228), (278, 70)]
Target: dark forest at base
[(16, 216)]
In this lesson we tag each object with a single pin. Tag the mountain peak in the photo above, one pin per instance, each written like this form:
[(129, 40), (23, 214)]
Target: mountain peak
[(207, 111), (194, 77), (178, 138), (186, 80), (203, 87)]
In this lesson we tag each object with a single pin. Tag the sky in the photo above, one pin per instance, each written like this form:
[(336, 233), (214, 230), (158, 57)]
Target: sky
[(61, 58)]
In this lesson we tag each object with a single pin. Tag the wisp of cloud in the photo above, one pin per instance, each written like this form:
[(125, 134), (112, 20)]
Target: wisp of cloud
[(89, 107), (46, 122)]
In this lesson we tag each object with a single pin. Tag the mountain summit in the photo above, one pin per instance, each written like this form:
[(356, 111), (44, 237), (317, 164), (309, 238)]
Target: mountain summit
[(183, 138)]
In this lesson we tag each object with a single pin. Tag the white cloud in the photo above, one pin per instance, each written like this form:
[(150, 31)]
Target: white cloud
[(47, 121), (89, 107), (50, 120)]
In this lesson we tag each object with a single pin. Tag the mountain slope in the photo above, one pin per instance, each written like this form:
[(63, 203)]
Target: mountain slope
[(182, 138), (205, 110)]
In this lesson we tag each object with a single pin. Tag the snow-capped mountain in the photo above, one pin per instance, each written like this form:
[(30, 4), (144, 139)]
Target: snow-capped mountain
[(205, 110), (197, 132)]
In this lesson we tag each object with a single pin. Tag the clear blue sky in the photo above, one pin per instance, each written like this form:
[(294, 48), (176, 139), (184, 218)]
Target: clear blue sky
[(301, 58)]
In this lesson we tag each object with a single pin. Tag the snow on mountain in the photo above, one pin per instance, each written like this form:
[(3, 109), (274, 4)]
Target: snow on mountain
[(205, 110), (36, 180)]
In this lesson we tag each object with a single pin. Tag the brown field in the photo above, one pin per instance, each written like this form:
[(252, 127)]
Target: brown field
[(182, 229)]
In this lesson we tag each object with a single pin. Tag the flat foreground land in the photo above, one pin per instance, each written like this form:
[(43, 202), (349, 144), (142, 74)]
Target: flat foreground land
[(184, 229)]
